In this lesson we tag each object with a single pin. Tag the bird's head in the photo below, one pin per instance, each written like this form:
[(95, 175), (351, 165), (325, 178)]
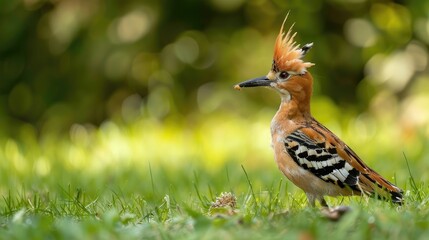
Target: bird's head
[(288, 74)]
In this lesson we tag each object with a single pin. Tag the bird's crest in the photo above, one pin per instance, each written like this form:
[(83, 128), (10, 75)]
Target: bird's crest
[(288, 54)]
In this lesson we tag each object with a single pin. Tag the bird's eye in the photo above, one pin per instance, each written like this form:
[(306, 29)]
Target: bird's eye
[(284, 75)]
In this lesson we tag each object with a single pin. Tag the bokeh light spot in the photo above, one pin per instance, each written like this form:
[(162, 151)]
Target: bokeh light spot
[(418, 53), (187, 49), (64, 22), (158, 102), (395, 70), (131, 107), (79, 134), (133, 26), (13, 154), (360, 32), (42, 166)]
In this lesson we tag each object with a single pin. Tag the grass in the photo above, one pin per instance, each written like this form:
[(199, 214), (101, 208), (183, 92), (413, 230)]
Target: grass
[(122, 182)]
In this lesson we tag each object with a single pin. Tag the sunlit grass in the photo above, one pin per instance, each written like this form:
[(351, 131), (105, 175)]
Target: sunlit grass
[(153, 179)]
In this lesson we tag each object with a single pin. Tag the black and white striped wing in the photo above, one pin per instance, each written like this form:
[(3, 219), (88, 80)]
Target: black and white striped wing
[(321, 160)]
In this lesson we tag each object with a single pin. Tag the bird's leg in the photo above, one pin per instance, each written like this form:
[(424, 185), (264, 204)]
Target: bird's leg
[(311, 199)]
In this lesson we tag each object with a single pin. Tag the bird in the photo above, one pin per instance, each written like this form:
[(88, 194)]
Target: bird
[(306, 152)]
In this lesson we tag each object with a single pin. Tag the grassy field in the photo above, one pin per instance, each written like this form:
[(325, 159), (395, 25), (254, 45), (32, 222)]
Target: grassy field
[(163, 180)]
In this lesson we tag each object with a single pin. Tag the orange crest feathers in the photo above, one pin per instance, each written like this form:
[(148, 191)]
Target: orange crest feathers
[(288, 54)]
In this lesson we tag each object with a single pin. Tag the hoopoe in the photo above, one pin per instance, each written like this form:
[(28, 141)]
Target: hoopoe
[(308, 153)]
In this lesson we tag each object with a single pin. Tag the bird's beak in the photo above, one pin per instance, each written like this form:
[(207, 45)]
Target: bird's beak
[(256, 82)]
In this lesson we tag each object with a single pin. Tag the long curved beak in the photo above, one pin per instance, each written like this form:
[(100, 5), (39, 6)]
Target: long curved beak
[(256, 82)]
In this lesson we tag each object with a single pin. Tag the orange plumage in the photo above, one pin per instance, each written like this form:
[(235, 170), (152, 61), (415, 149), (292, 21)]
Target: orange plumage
[(288, 54), (307, 153)]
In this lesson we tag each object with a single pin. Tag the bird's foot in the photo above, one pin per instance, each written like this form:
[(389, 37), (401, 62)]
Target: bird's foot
[(335, 214)]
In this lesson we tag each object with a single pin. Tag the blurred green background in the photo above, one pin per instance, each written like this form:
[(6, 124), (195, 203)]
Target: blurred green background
[(91, 88)]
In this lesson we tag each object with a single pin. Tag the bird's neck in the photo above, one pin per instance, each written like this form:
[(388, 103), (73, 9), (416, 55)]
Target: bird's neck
[(294, 108)]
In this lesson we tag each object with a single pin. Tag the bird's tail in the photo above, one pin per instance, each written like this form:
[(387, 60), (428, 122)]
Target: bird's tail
[(375, 185), (397, 197)]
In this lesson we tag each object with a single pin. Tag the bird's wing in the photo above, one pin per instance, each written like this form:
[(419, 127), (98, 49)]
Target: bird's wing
[(318, 150)]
